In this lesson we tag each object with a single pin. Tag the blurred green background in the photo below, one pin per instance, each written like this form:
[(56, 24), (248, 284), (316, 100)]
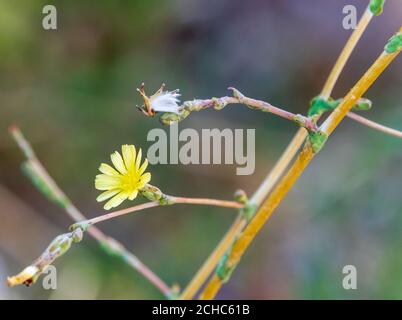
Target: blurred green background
[(72, 92)]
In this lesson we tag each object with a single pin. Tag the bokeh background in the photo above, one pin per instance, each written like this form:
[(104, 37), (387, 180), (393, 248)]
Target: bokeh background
[(72, 92)]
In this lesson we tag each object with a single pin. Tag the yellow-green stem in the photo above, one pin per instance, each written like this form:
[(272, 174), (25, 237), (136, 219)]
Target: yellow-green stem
[(290, 178)]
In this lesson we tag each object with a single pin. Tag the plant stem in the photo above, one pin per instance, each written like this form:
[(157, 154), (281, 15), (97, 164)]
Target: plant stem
[(283, 162), (290, 178), (239, 98), (357, 91), (207, 201), (374, 125), (203, 273), (147, 205), (118, 213), (111, 245), (104, 240), (259, 219), (279, 167), (326, 91), (345, 54)]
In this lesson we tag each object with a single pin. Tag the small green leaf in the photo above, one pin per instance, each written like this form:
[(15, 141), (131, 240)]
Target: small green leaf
[(319, 105)]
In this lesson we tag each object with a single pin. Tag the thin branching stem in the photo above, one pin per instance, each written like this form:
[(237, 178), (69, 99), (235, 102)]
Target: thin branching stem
[(175, 200), (280, 166), (209, 202), (374, 125), (302, 161), (118, 213), (203, 273), (51, 189), (239, 98), (247, 225), (285, 159), (345, 54)]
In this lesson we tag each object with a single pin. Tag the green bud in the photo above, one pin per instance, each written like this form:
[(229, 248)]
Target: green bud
[(362, 104), (151, 192), (241, 196), (394, 44), (166, 200), (174, 293), (300, 120), (376, 7), (219, 104), (169, 118), (83, 225), (59, 245), (78, 234)]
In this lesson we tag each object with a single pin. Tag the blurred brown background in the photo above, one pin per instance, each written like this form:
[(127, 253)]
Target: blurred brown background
[(72, 92)]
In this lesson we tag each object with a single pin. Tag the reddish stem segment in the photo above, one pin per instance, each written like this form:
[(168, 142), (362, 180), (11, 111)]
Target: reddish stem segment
[(239, 98), (374, 125), (175, 200)]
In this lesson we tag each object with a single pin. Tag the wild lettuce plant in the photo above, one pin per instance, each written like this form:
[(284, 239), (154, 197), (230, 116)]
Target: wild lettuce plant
[(127, 178)]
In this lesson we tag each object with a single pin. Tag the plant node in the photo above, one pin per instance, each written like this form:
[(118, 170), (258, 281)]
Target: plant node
[(317, 140)]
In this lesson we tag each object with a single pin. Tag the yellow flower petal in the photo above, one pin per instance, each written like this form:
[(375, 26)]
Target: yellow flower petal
[(115, 201), (143, 167), (107, 194), (133, 195), (145, 178), (138, 160), (105, 182), (106, 169), (129, 154), (118, 162)]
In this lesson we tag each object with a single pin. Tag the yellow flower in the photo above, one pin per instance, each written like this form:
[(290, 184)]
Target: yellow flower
[(124, 181)]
